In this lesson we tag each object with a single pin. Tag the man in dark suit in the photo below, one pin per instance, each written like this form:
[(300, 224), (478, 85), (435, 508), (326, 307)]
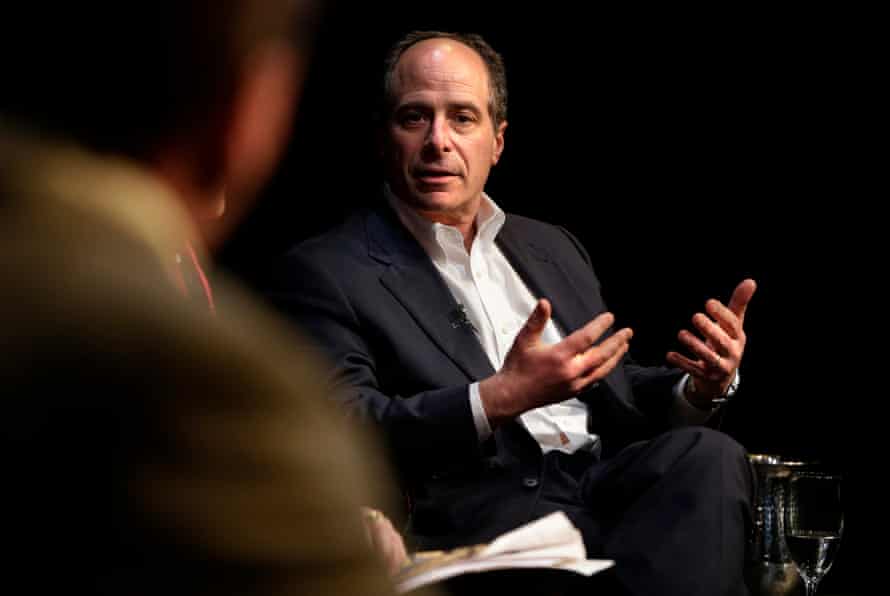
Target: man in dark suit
[(149, 446), (478, 343)]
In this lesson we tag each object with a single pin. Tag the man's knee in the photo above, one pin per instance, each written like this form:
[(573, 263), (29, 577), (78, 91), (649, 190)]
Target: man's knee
[(714, 456), (704, 443), (692, 459)]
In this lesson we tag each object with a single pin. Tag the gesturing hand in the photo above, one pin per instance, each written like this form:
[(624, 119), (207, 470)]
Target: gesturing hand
[(717, 356), (535, 374)]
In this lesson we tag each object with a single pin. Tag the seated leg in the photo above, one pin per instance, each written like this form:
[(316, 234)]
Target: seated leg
[(674, 512)]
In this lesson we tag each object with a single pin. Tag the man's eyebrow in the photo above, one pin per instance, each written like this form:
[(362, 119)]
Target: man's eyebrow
[(452, 106), (413, 105), (464, 105)]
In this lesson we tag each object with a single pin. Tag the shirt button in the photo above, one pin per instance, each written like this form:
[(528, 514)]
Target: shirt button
[(530, 482), (505, 330)]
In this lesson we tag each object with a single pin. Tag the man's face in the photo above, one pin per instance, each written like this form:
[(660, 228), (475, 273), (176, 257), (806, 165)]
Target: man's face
[(440, 142)]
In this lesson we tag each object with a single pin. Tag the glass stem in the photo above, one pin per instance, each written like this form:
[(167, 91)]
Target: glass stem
[(811, 584)]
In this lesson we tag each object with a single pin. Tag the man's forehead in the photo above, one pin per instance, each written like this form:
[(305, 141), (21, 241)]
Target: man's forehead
[(441, 64)]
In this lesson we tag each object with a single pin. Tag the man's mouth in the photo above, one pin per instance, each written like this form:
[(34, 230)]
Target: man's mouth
[(433, 176)]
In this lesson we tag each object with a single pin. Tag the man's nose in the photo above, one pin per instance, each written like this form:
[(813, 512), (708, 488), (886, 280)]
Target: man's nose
[(438, 137)]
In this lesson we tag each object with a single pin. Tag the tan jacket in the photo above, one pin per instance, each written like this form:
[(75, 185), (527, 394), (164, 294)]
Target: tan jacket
[(149, 447)]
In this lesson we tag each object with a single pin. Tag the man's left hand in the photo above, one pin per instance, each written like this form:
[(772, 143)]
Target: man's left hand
[(720, 352)]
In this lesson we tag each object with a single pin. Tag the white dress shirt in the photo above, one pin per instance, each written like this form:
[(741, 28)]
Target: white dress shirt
[(498, 303)]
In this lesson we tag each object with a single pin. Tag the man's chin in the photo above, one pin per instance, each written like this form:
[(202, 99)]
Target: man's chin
[(436, 200)]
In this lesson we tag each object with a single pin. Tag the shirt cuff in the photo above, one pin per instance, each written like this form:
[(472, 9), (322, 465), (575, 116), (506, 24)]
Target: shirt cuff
[(480, 419)]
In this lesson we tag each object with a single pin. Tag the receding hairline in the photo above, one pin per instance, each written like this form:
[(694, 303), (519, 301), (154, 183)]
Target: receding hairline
[(395, 78)]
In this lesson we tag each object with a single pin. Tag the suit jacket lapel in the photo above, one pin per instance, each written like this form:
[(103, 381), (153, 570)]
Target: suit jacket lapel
[(546, 279), (414, 282)]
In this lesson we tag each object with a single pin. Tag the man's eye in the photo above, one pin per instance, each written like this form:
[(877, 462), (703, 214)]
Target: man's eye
[(464, 119), (410, 118)]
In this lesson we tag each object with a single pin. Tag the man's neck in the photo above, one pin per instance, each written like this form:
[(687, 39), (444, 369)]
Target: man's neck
[(463, 218), (465, 223)]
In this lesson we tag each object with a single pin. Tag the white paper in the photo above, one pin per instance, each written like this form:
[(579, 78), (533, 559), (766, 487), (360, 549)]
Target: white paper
[(551, 542)]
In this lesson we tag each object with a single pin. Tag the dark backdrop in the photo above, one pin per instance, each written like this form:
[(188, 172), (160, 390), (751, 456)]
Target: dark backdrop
[(687, 149)]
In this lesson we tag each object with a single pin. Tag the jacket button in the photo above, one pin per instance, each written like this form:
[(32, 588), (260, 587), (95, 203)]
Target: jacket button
[(529, 482)]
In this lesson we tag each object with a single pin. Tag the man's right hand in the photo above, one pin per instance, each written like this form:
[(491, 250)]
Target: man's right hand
[(536, 374)]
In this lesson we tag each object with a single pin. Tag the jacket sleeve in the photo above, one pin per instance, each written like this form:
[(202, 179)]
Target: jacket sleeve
[(427, 431)]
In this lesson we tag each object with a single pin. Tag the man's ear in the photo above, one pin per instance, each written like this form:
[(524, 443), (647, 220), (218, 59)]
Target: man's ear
[(498, 142), (260, 117), (255, 131)]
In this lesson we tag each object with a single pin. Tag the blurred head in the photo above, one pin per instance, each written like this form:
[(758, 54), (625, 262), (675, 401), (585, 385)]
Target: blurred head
[(444, 121), (201, 91)]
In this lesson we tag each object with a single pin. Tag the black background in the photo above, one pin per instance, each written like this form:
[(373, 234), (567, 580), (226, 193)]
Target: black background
[(687, 149)]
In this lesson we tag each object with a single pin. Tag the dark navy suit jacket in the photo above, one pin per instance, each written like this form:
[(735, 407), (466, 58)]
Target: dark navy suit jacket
[(403, 359)]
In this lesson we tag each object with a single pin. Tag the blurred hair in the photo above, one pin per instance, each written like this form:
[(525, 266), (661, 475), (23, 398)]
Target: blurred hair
[(497, 75), (127, 77)]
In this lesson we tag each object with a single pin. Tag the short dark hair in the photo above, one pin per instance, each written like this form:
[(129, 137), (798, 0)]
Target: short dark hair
[(497, 74), (127, 77)]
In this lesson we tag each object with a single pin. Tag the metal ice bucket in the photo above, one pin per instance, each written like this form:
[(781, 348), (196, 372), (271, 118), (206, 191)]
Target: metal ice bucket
[(770, 570)]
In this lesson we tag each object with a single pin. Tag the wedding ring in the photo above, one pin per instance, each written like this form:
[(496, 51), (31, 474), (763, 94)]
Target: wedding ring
[(372, 514)]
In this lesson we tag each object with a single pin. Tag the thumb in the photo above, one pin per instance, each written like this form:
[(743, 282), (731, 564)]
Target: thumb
[(741, 296), (531, 332)]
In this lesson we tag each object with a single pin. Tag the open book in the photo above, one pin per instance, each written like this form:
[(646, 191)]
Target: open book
[(551, 542)]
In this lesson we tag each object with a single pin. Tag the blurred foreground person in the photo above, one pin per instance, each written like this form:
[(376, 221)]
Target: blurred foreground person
[(149, 446)]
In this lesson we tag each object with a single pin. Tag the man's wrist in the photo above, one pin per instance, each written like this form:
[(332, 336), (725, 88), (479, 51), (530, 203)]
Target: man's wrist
[(494, 398), (709, 402)]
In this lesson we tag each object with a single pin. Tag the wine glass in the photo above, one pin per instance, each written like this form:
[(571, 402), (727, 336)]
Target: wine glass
[(814, 522)]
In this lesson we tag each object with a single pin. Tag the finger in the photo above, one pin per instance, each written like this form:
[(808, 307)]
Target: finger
[(596, 356), (712, 360), (741, 296), (598, 373), (694, 367), (386, 541), (727, 319), (722, 343), (369, 521), (391, 546), (534, 325), (392, 555), (582, 339), (399, 551)]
